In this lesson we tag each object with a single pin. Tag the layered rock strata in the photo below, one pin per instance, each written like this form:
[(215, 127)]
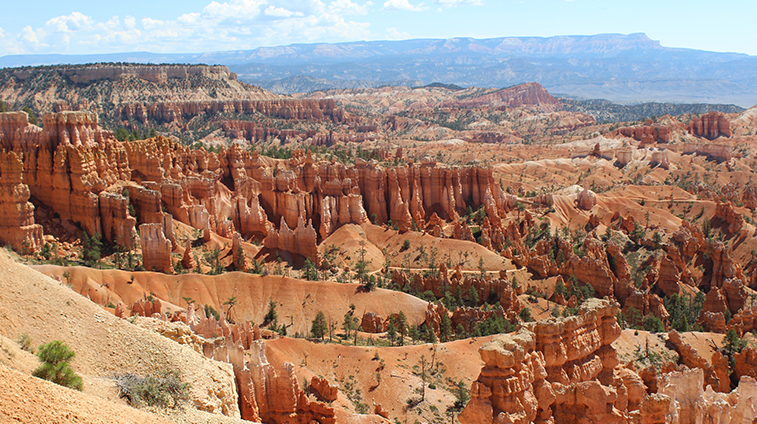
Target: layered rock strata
[(548, 372), (88, 177)]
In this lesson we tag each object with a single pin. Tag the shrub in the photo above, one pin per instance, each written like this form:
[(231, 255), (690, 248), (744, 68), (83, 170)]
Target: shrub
[(25, 341), (653, 324), (55, 357), (405, 245), (163, 389), (525, 315)]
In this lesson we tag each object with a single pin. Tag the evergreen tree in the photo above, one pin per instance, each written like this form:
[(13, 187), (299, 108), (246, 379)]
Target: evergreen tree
[(732, 345), (402, 327), (391, 332), (445, 329), (525, 315), (319, 327), (271, 315), (311, 274), (459, 296), (91, 248), (653, 324), (414, 333), (472, 300), (55, 357), (32, 116)]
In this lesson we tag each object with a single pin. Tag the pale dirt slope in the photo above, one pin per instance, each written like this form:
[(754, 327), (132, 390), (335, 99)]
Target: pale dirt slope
[(105, 345)]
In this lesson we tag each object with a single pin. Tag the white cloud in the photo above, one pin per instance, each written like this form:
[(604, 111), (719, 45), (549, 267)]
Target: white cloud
[(278, 12), (393, 33), (402, 5), (129, 22), (347, 7), (454, 3), (220, 25)]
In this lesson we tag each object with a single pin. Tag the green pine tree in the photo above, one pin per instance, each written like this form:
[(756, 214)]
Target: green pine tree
[(55, 357)]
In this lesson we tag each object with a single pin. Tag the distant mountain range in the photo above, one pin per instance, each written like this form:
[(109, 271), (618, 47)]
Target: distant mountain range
[(621, 68)]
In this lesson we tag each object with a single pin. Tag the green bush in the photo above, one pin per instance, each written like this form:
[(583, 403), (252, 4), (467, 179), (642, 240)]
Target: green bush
[(653, 324), (55, 357), (163, 389)]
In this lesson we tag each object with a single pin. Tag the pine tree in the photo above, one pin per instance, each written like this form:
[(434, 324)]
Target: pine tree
[(402, 327), (271, 315), (445, 329), (391, 332), (319, 326), (55, 357)]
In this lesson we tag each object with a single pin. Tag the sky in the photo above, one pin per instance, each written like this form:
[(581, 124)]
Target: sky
[(194, 26)]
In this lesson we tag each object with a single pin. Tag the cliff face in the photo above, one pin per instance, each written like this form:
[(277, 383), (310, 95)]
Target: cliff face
[(646, 134), (528, 94), (710, 125), (152, 73), (182, 111), (17, 225), (86, 176)]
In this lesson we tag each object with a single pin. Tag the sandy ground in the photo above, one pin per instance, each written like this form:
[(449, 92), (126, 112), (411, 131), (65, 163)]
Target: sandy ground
[(44, 309), (387, 376), (297, 301)]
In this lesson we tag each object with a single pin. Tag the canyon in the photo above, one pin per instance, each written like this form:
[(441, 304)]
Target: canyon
[(431, 254)]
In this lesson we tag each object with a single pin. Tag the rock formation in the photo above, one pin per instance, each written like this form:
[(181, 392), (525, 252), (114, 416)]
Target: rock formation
[(646, 134), (156, 248), (528, 94), (271, 393), (372, 323), (17, 226), (715, 374), (153, 73), (548, 371), (327, 391), (586, 199), (692, 403), (182, 111), (710, 125), (97, 181)]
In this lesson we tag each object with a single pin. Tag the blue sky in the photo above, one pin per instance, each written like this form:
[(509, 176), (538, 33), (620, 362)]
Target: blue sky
[(81, 27)]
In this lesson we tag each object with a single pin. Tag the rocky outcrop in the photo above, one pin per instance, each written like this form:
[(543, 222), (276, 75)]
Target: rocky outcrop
[(17, 226), (183, 111), (692, 403), (586, 199), (86, 176), (654, 409), (710, 125), (271, 393), (745, 362), (302, 240), (548, 371), (156, 248), (325, 390), (187, 261), (646, 134), (715, 373), (733, 221), (744, 321), (372, 323), (528, 94)]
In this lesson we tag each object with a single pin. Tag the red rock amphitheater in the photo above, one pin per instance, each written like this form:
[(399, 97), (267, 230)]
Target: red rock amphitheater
[(437, 264)]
